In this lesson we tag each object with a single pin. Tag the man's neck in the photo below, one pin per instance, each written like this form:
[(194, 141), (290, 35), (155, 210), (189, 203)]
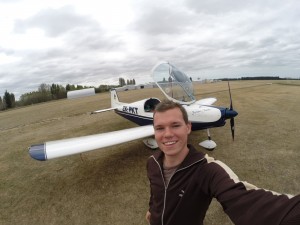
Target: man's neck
[(172, 161)]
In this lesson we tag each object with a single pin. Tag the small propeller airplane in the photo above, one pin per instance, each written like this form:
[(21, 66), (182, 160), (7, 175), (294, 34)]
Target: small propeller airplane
[(177, 87)]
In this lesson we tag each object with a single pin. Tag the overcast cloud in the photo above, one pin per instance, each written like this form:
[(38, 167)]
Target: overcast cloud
[(96, 42)]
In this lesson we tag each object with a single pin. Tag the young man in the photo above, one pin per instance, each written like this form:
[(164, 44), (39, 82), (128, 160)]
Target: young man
[(183, 182)]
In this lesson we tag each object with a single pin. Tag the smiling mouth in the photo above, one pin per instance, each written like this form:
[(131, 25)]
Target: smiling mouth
[(170, 143)]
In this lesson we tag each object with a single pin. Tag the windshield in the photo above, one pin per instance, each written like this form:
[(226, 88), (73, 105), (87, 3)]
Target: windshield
[(175, 84)]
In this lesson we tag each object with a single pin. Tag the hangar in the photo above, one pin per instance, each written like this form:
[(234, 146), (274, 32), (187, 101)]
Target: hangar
[(81, 93)]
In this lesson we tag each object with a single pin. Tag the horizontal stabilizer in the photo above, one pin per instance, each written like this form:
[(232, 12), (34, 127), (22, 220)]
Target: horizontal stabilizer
[(102, 110)]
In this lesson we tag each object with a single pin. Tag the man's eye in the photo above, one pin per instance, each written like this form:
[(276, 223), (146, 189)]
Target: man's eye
[(159, 128)]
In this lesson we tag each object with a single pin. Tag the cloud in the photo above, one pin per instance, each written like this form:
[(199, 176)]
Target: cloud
[(217, 7), (160, 21), (215, 38), (9, 1), (55, 22)]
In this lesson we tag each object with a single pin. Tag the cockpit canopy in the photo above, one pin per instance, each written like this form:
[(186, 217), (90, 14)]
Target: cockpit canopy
[(175, 84)]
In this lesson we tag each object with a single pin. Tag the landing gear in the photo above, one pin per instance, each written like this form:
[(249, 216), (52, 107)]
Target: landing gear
[(208, 144), (150, 143)]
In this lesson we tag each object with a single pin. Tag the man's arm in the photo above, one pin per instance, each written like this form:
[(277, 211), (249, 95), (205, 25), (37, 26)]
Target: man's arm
[(293, 217), (148, 214), (245, 203)]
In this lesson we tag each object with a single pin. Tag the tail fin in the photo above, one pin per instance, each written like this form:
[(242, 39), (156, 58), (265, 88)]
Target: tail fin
[(114, 99)]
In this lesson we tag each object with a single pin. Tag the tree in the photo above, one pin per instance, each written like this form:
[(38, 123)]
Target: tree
[(79, 87), (13, 100), (44, 92), (61, 92), (133, 81), (70, 87), (54, 90), (58, 91), (122, 82), (1, 104), (44, 88), (30, 98), (8, 101)]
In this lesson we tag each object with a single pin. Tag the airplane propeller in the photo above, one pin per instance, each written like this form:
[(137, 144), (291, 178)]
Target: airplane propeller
[(232, 118)]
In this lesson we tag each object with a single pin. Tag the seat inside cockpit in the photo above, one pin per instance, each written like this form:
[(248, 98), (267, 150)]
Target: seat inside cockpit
[(150, 104)]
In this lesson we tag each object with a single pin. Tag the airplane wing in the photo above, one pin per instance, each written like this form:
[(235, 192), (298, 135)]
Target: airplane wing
[(65, 147), (206, 101)]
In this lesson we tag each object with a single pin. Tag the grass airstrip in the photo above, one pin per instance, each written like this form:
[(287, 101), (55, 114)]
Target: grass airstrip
[(109, 186)]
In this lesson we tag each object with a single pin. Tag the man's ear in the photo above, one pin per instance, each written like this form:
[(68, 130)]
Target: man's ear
[(189, 127)]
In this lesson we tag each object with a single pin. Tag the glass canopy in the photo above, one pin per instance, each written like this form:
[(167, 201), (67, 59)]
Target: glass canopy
[(175, 84)]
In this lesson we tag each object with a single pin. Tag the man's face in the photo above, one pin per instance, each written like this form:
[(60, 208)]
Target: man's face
[(171, 132)]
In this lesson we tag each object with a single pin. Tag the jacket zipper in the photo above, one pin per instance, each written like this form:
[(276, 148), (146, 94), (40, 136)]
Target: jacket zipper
[(166, 186)]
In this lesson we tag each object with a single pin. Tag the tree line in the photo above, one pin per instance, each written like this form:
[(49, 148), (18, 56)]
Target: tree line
[(123, 83), (259, 78), (48, 92)]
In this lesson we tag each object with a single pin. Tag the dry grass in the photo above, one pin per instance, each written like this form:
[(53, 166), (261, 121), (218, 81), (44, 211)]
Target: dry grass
[(109, 186)]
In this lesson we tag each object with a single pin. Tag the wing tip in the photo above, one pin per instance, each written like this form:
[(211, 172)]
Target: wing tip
[(38, 152)]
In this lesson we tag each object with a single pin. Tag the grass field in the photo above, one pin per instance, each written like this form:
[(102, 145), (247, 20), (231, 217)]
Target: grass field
[(109, 186)]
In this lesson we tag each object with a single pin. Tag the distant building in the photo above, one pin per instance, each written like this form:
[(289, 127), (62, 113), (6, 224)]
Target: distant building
[(144, 86), (135, 87), (126, 88), (80, 93)]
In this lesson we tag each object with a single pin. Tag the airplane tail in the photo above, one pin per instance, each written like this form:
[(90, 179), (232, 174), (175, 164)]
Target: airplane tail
[(114, 99)]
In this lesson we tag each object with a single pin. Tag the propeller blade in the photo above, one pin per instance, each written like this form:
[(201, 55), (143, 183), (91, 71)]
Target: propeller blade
[(231, 119), (232, 127), (231, 107)]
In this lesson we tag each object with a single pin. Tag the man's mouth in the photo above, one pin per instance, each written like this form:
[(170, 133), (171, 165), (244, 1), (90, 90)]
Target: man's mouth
[(169, 143)]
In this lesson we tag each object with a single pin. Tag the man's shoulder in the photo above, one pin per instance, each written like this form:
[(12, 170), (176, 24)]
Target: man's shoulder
[(156, 155), (195, 152), (193, 157)]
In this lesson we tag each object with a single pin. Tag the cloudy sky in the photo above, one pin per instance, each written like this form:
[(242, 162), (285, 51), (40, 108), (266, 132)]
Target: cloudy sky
[(95, 42)]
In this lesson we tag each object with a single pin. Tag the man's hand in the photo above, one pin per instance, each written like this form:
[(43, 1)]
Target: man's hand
[(148, 215)]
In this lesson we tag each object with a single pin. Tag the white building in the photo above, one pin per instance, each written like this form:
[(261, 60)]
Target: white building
[(81, 93)]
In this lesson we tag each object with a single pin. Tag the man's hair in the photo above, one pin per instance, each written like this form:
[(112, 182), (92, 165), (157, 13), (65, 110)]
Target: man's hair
[(166, 105)]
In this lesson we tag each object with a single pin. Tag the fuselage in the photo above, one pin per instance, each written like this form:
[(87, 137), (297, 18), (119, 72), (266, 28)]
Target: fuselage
[(201, 116)]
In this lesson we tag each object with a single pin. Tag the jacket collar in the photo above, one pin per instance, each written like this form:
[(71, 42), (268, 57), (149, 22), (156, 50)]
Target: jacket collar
[(192, 157)]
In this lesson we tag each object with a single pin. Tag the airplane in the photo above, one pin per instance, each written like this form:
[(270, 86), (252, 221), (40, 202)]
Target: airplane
[(176, 86)]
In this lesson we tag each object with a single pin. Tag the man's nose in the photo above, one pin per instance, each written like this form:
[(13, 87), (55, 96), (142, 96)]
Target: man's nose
[(168, 132)]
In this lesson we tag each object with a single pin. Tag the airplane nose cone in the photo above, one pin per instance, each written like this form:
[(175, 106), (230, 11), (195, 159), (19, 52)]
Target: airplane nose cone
[(230, 114), (38, 152)]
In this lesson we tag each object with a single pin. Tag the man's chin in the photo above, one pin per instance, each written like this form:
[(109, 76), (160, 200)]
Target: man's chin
[(169, 149), (169, 146)]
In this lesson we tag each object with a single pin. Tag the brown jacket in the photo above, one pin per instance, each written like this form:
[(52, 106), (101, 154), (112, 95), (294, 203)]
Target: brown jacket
[(200, 178)]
